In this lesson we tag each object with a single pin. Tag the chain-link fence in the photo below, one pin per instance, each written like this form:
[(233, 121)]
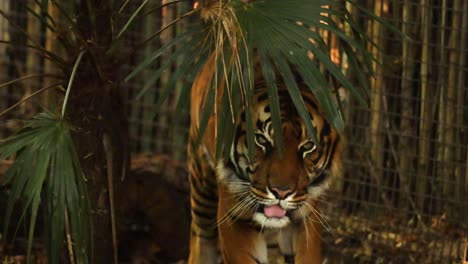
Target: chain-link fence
[(402, 198), (403, 195)]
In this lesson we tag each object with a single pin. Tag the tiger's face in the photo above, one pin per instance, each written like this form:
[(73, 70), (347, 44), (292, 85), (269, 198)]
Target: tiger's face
[(274, 189)]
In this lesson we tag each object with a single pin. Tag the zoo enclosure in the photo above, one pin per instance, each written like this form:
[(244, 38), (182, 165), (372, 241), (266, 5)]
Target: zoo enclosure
[(402, 197)]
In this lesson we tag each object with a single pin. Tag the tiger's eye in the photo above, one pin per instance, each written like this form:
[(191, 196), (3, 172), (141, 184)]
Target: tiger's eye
[(308, 146), (261, 139)]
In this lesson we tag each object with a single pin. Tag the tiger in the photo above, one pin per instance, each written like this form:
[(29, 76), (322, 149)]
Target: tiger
[(236, 201)]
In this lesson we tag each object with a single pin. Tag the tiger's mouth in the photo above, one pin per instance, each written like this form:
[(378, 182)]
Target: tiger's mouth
[(272, 216), (273, 211)]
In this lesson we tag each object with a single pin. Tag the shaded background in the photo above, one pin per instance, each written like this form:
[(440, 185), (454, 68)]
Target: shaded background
[(403, 196)]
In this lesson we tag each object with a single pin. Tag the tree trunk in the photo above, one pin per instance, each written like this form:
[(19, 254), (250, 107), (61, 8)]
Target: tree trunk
[(168, 14), (51, 44), (148, 132), (97, 111), (406, 146), (439, 178), (33, 59), (4, 61), (451, 127), (179, 149), (376, 137), (461, 175), (426, 108)]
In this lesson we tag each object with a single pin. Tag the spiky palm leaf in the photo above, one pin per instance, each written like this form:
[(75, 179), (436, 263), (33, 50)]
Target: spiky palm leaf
[(281, 35), (47, 167), (46, 171)]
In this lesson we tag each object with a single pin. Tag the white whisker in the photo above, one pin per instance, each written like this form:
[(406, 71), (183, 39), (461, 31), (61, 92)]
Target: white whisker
[(305, 226), (229, 214), (320, 217), (240, 206)]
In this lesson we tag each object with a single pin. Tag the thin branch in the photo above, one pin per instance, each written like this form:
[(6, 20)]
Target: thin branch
[(69, 239), (110, 181), (30, 77), (29, 97), (91, 14), (74, 26), (72, 77), (46, 13), (136, 14), (19, 28), (38, 16), (123, 6), (166, 27), (161, 6), (130, 20), (47, 54)]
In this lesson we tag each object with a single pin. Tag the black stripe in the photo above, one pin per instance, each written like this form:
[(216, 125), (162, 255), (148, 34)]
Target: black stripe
[(206, 215), (239, 170), (204, 193), (204, 198), (213, 235), (232, 163), (249, 170), (325, 131), (259, 124), (332, 152), (256, 260), (310, 102), (204, 220), (265, 125), (326, 167), (205, 203), (319, 179), (239, 133), (321, 172), (288, 259), (211, 183), (262, 97), (205, 224), (195, 167), (319, 156), (248, 221)]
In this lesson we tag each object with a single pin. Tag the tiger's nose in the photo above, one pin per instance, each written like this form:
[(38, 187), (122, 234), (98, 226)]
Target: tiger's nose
[(281, 192)]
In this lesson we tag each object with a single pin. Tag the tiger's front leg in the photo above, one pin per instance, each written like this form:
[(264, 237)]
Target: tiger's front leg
[(240, 242), (299, 243), (204, 200), (307, 243)]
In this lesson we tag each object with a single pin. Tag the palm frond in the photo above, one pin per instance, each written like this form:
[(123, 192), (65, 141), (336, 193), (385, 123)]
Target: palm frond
[(47, 54), (282, 34), (46, 164), (47, 20), (70, 81), (29, 97), (32, 76), (130, 20)]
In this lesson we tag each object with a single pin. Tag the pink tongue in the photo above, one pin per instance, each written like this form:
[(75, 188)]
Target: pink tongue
[(274, 211)]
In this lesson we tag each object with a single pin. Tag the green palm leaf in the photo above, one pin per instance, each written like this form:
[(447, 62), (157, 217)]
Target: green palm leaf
[(46, 164), (282, 34)]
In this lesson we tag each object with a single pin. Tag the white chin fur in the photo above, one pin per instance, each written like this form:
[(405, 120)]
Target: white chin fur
[(315, 192), (273, 222)]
